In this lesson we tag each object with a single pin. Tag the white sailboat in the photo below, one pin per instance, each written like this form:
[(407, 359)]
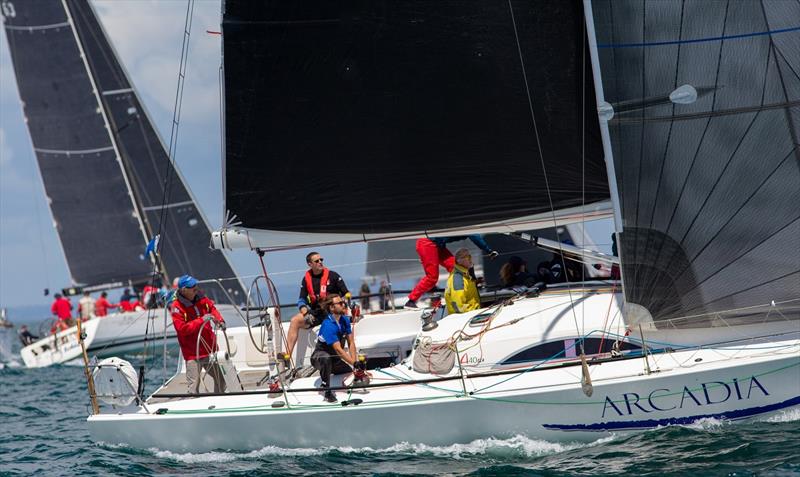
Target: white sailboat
[(104, 167), (705, 323)]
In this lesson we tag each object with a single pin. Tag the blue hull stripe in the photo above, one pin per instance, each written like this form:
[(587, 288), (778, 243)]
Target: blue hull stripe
[(650, 423)]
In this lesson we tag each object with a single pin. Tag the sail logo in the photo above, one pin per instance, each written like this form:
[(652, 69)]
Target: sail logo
[(665, 399)]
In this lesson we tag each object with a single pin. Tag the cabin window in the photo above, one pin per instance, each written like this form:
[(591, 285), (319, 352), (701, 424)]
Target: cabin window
[(565, 349)]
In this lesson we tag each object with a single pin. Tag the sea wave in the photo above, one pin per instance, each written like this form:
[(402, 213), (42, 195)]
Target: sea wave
[(518, 446)]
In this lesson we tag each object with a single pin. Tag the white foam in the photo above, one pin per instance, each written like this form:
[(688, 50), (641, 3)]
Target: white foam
[(515, 445), (220, 456), (706, 424), (786, 415)]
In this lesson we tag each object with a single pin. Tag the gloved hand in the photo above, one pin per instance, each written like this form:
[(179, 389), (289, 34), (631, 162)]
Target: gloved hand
[(222, 324), (493, 254)]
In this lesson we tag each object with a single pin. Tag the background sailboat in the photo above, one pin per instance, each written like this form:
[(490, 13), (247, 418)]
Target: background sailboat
[(109, 180), (104, 167)]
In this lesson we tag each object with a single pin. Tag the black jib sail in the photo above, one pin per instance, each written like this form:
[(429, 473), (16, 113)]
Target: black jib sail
[(705, 146), (103, 165), (372, 119)]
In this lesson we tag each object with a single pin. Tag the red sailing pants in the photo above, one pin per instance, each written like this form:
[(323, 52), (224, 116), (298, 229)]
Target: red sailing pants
[(431, 257)]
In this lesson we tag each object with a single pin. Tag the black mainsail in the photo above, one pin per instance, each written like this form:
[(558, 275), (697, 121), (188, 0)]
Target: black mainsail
[(709, 189), (103, 165), (363, 120)]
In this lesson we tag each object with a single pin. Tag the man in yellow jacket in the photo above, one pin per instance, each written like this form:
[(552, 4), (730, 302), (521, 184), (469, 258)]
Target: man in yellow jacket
[(461, 294)]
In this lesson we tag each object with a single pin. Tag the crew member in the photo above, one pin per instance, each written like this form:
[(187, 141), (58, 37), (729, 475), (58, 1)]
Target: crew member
[(62, 310), (329, 356), (26, 336), (432, 253), (318, 283), (189, 309), (102, 305), (461, 294), (86, 306)]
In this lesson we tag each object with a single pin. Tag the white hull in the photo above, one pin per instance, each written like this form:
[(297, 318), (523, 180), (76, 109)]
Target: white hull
[(686, 383), (109, 335), (544, 404)]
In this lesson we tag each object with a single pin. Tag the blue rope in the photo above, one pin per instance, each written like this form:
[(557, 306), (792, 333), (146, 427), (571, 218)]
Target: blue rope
[(697, 40)]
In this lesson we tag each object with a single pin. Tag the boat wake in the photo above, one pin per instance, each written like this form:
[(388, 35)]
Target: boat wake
[(787, 415), (517, 446)]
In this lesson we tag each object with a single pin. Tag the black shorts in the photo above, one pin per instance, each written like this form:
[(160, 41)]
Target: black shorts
[(314, 318)]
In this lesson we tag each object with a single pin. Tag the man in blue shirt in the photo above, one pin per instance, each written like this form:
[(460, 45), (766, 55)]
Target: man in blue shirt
[(329, 356)]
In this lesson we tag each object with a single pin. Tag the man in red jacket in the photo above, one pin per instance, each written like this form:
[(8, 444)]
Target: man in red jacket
[(102, 305), (62, 309), (195, 334)]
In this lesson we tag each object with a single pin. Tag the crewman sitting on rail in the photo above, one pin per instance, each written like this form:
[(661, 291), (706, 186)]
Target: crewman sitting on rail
[(329, 356), (195, 334), (318, 283), (461, 294)]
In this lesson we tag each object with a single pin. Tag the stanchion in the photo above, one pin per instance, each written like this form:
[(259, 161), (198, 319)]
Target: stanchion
[(89, 380)]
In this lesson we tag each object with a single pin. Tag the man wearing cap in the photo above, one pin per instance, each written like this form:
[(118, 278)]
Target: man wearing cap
[(188, 312), (318, 283), (461, 294)]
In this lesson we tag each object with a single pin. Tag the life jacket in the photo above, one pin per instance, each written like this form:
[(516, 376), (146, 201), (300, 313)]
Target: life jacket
[(323, 286)]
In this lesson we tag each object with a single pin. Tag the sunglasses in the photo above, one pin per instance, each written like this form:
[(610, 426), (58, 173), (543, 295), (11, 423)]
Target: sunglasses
[(319, 260)]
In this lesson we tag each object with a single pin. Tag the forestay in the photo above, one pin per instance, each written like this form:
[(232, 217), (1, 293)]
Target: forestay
[(709, 188), (367, 121)]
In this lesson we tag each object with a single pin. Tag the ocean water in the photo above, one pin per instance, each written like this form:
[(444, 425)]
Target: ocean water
[(43, 432)]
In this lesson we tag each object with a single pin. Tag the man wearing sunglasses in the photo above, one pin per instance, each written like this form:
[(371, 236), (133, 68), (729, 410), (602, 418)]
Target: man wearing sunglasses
[(329, 356), (461, 294), (195, 334), (318, 283)]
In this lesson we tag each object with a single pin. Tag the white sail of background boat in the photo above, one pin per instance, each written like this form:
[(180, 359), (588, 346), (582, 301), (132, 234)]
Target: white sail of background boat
[(108, 177), (562, 107)]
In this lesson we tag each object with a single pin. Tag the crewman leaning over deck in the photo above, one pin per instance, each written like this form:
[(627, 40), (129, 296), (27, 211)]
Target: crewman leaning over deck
[(188, 312), (62, 309), (461, 294), (432, 253), (102, 305)]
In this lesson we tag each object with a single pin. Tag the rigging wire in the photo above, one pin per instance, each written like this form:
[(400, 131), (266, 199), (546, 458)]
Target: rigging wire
[(171, 169), (541, 160)]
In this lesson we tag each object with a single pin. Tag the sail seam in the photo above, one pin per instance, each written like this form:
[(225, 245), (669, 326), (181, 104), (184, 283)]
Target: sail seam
[(789, 120), (738, 292), (722, 228), (699, 40)]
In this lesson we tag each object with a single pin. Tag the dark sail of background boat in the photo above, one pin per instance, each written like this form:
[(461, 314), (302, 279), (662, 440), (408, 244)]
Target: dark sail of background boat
[(104, 166)]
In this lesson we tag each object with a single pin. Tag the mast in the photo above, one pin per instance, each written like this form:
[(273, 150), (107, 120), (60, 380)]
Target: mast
[(605, 112)]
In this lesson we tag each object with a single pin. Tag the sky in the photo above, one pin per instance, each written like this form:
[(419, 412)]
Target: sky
[(147, 35)]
